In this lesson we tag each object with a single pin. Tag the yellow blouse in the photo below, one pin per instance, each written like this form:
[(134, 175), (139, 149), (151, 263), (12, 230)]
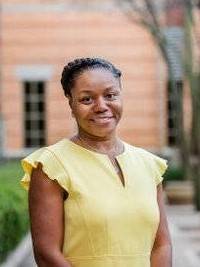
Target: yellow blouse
[(108, 224)]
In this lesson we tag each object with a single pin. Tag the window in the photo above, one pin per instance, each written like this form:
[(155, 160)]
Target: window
[(34, 114), (174, 36), (173, 110)]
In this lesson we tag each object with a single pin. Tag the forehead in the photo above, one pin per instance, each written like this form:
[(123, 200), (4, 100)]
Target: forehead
[(94, 78)]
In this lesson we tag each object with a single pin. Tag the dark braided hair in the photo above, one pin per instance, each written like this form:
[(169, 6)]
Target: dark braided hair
[(74, 68)]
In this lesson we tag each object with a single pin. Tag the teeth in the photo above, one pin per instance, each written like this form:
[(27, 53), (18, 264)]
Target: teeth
[(102, 119)]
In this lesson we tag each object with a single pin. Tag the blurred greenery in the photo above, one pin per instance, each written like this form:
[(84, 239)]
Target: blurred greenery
[(13, 207), (173, 173)]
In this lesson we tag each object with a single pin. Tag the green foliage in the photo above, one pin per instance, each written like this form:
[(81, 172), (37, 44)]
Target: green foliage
[(174, 173), (13, 208)]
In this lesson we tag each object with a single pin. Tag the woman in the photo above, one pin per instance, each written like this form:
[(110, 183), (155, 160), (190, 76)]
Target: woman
[(94, 200)]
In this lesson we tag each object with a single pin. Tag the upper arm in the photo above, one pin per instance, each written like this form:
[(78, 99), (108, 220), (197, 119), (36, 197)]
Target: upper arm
[(46, 212), (162, 236)]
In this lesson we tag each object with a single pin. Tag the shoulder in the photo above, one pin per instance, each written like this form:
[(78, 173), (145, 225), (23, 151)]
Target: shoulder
[(155, 164), (54, 151), (57, 147), (139, 152), (50, 160), (48, 156)]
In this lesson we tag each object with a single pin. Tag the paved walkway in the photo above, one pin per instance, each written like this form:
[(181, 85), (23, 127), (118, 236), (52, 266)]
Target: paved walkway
[(184, 224)]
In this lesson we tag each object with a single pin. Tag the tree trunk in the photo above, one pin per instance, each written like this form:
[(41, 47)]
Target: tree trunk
[(181, 141), (195, 140)]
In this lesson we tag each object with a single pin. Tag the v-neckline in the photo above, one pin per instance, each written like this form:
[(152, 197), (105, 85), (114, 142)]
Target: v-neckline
[(121, 183), (120, 177)]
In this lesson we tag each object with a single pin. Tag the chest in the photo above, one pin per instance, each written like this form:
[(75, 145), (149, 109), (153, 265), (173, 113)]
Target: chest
[(98, 190)]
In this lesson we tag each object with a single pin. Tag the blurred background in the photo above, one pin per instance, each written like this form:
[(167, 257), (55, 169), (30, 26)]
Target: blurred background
[(156, 44)]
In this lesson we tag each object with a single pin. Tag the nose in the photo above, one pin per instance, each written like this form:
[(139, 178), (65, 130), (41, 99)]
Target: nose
[(100, 105)]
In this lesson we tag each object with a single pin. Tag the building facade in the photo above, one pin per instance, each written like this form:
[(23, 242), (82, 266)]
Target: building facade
[(38, 38)]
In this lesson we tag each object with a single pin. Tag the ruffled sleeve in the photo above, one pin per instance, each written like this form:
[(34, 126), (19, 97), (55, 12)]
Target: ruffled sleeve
[(160, 166), (51, 166)]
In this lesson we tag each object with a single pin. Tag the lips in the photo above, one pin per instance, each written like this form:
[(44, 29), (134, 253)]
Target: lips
[(102, 119)]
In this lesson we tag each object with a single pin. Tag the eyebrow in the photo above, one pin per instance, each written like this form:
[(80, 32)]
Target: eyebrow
[(111, 88), (90, 91), (86, 91)]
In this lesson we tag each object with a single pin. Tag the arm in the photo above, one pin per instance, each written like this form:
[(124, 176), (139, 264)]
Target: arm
[(161, 254), (47, 220)]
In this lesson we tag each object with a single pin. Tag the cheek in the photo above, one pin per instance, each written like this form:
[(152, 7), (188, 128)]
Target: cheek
[(80, 112), (118, 108)]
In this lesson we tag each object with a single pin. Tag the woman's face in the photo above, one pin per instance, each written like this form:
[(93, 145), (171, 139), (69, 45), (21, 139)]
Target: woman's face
[(96, 102)]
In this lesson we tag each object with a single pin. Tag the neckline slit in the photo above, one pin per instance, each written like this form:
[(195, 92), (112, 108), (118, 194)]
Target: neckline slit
[(119, 175)]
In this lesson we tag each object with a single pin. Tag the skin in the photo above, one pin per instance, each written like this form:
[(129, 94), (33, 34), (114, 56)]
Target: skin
[(96, 104), (47, 228), (161, 254)]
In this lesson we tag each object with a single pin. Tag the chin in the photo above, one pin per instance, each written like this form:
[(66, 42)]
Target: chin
[(103, 132)]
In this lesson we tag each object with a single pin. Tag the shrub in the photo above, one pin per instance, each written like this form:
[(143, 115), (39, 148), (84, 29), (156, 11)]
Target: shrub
[(13, 209), (173, 173)]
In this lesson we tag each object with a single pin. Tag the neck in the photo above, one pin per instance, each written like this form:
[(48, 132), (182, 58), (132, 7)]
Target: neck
[(110, 145)]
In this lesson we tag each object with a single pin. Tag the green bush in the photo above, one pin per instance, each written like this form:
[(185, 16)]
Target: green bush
[(173, 173), (13, 208)]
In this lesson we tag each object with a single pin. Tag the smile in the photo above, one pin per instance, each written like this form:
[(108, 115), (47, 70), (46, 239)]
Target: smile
[(102, 119)]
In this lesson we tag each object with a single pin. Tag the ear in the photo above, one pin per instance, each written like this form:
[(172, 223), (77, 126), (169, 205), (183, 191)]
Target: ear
[(70, 104)]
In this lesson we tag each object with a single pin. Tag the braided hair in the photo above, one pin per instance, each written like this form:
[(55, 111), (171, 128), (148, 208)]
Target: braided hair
[(74, 68)]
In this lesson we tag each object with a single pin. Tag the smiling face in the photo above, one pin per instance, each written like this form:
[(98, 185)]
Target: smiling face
[(96, 102)]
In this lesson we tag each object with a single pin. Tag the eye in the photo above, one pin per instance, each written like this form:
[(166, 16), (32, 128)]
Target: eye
[(111, 96), (86, 100)]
